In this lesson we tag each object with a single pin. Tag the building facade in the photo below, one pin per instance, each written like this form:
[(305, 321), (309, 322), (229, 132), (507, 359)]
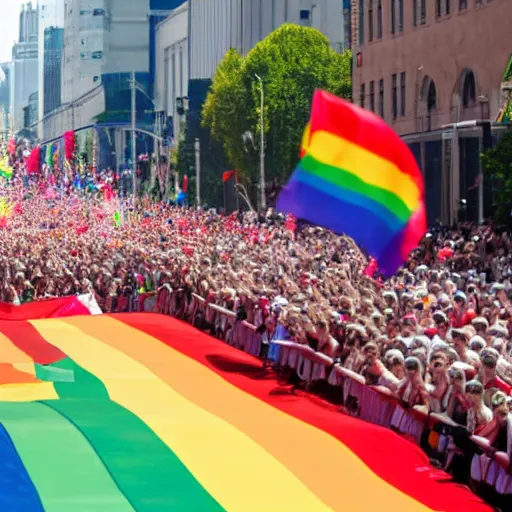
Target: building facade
[(51, 15), (218, 25), (172, 66), (30, 112), (24, 66), (28, 23), (5, 99), (52, 68), (104, 41), (423, 65)]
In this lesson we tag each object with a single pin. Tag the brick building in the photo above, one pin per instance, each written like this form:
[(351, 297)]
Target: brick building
[(425, 64)]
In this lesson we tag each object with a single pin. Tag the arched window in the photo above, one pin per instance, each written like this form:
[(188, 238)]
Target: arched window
[(431, 96), (468, 89), (429, 101)]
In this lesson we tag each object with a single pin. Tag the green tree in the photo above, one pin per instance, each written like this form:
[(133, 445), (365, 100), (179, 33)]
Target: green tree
[(292, 61), (497, 164), (212, 166)]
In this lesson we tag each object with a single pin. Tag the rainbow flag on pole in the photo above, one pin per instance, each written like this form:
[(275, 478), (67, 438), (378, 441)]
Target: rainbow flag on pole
[(141, 412), (357, 177)]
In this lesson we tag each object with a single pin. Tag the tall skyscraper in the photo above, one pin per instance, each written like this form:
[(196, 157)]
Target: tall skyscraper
[(28, 23), (24, 69), (52, 66), (51, 14), (5, 86)]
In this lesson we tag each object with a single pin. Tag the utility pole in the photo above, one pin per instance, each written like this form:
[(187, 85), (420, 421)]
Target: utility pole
[(197, 147), (263, 199), (134, 140)]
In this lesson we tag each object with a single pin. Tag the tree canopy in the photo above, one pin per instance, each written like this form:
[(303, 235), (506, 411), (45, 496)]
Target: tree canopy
[(497, 163), (292, 62)]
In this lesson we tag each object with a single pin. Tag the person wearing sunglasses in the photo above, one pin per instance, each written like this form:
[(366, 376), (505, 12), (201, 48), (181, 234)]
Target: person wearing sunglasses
[(498, 432), (439, 383), (488, 374), (457, 406), (412, 391), (479, 415)]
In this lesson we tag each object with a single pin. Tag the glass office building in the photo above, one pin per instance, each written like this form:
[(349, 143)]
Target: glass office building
[(51, 15)]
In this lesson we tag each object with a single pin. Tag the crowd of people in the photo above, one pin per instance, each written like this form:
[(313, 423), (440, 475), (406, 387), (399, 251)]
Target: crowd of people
[(437, 334)]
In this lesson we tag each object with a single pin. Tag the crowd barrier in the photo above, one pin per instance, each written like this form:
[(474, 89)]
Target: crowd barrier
[(375, 404)]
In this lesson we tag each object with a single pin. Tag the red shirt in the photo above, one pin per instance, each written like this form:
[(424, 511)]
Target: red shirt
[(460, 320), (500, 384)]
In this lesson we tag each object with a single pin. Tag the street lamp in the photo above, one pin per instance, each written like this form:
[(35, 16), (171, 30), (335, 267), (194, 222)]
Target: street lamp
[(263, 200)]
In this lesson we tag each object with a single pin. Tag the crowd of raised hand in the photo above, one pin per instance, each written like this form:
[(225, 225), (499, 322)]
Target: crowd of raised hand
[(437, 334)]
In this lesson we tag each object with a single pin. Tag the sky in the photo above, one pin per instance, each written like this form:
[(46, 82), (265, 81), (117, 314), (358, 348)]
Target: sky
[(9, 21)]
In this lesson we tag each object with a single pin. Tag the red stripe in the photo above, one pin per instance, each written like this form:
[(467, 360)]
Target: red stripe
[(359, 126), (27, 338), (52, 308), (394, 459)]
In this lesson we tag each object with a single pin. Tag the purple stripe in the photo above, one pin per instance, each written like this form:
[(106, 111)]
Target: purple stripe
[(369, 231)]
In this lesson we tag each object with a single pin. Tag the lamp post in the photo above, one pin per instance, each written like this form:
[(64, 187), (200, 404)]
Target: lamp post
[(263, 199)]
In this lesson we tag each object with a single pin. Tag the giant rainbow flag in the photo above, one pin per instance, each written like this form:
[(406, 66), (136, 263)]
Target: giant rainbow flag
[(141, 412), (356, 176)]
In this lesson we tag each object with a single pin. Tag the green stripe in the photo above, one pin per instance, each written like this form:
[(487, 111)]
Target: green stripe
[(5, 174), (149, 474), (52, 374), (345, 179), (66, 472)]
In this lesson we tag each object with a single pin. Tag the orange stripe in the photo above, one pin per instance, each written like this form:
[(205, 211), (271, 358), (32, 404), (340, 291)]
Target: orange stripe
[(16, 367), (319, 456), (10, 375)]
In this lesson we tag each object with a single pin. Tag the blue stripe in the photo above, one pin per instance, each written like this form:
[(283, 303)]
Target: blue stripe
[(370, 231), (17, 492), (350, 197)]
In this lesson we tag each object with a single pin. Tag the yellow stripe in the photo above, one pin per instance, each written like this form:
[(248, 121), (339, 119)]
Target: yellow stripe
[(11, 354), (229, 465), (370, 168), (306, 137), (28, 392)]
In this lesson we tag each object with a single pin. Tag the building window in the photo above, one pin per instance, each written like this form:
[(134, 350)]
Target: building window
[(370, 20), (469, 89), (447, 7), (379, 19), (381, 98), (393, 16), (361, 21), (361, 95), (402, 94), (423, 11), (372, 96), (438, 8), (431, 97), (400, 15), (394, 96), (463, 4), (415, 12), (431, 100), (305, 19)]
